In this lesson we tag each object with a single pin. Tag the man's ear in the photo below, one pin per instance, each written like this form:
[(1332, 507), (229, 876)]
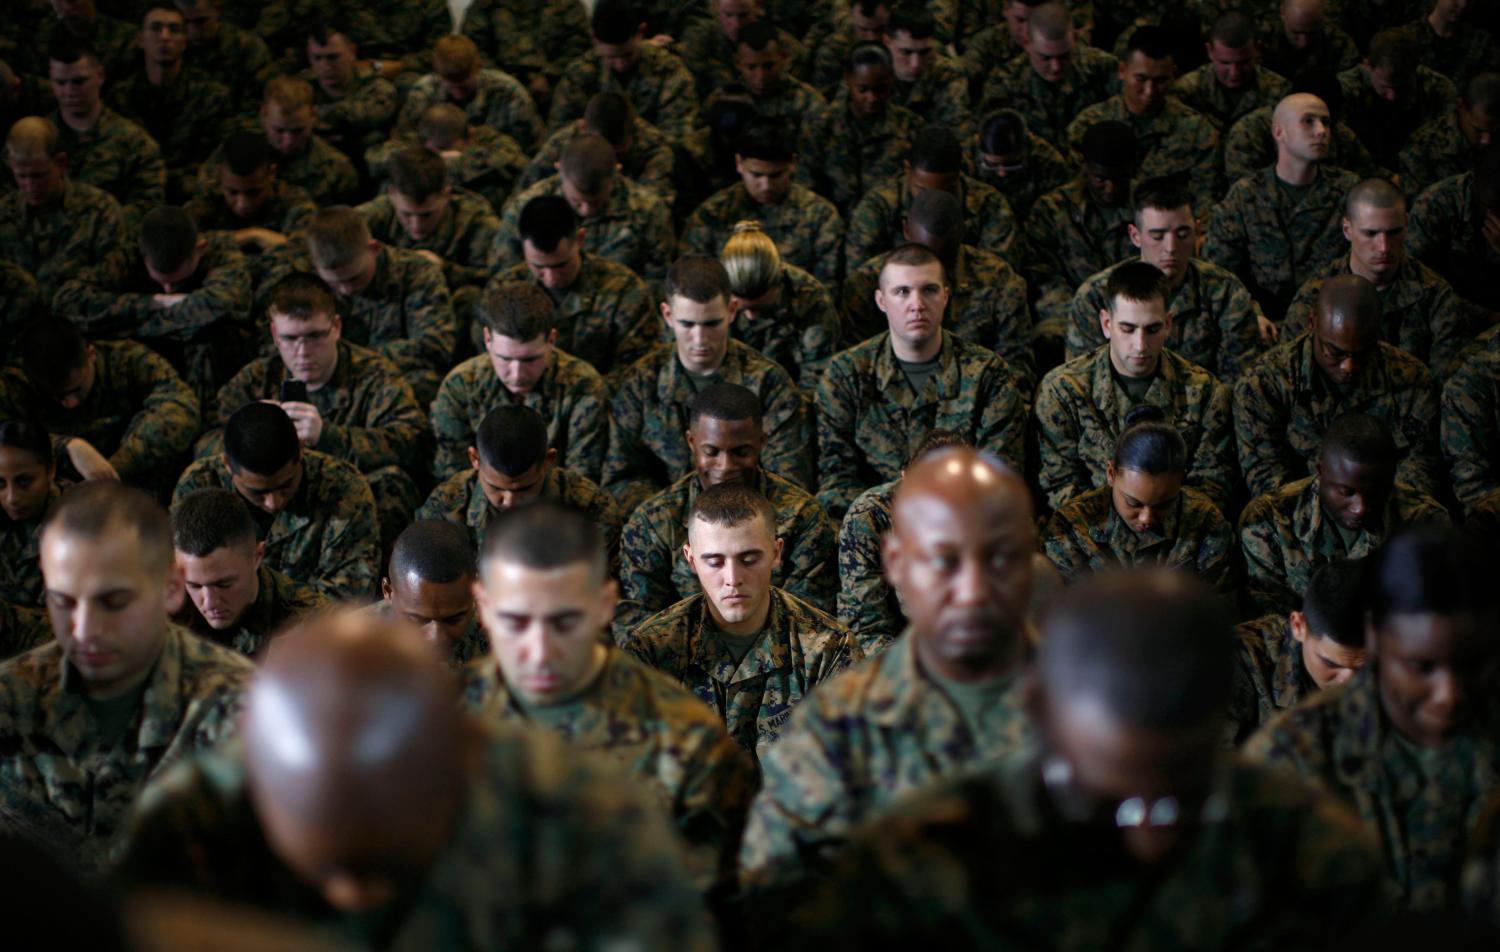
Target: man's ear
[(1135, 234), (473, 458), (1109, 472), (666, 313), (779, 549), (1105, 320), (609, 597), (687, 553), (1298, 623), (260, 554), (890, 557), (385, 589), (1347, 228)]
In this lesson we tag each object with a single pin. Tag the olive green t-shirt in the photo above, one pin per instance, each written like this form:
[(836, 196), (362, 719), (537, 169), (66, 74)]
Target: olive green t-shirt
[(918, 373), (114, 717), (1135, 387), (738, 646), (976, 701)]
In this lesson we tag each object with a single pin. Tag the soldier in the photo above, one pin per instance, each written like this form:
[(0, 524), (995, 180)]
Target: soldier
[(1471, 421), (479, 158), (761, 61), (1455, 229), (864, 23), (649, 411), (1285, 401), (745, 647), (188, 298), (249, 201), (121, 694), (879, 398), (935, 161), (234, 57), (489, 97), (604, 314), (861, 140), (429, 585), (546, 595), (114, 409), (354, 404), (1389, 94), (392, 300), (988, 303), (1081, 228), (235, 599), (726, 437), (1287, 657), (532, 39), (806, 226), (1170, 138), (1081, 406), (315, 513), (1422, 315), (1016, 162), (1250, 146), (1302, 38), (1055, 78), (659, 86), (994, 43), (104, 149), (779, 309), (927, 82), (708, 45), (510, 464), (522, 365), (1449, 45), (354, 103), (28, 489), (1351, 503), (1131, 691), (182, 109), (644, 155), (1408, 741), (1278, 225), (289, 117), (622, 221), (1231, 83), (1215, 322), (947, 695), (364, 790), (1449, 144), (55, 228), (1144, 515), (422, 212), (116, 40)]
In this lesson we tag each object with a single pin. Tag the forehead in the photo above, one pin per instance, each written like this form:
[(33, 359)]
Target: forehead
[(404, 203), (1427, 634), (905, 39), (502, 346), (934, 517), (911, 275), (414, 589), (82, 562), (764, 166), (1166, 217), (685, 308), (1344, 331), (225, 560), (561, 253), (712, 430), (710, 539), (281, 116), (1230, 54), (256, 179), (1139, 62), (292, 324), (158, 18), (870, 74), (521, 587), (256, 481), (1129, 309), (80, 67), (1366, 214), (1339, 467)]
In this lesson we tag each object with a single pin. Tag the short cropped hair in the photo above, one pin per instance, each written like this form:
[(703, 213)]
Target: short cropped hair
[(1332, 604), (51, 349), (301, 296), (758, 35), (418, 173), (336, 236), (698, 278), (912, 254), (66, 48), (936, 149), (731, 504), (288, 93), (1361, 438), (610, 115), (516, 309), (766, 140), (433, 551), (244, 153), (1163, 193), (725, 401), (1373, 193), (442, 124), (90, 510), (588, 162), (614, 21), (1233, 30), (455, 57), (210, 519), (545, 534), (546, 221), (260, 438), (937, 438), (512, 439), (168, 237), (1136, 281), (915, 21)]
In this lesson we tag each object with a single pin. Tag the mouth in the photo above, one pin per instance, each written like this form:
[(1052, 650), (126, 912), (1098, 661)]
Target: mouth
[(541, 683), (96, 658)]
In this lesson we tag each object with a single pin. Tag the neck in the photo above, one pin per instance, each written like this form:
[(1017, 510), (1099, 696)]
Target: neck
[(84, 122), (1006, 660), (596, 665), (1380, 279), (1175, 282), (749, 626), (1295, 171), (919, 353), (160, 74)]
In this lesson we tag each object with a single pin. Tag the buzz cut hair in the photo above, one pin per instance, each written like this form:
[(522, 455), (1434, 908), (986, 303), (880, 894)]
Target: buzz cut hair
[(1233, 30), (1373, 193), (545, 534), (93, 510), (699, 278), (512, 439), (336, 236), (1163, 193), (729, 505), (209, 519), (244, 153), (1361, 438), (725, 401), (168, 237), (433, 551), (301, 296), (1136, 281), (547, 221), (516, 309), (418, 173), (912, 254), (288, 93)]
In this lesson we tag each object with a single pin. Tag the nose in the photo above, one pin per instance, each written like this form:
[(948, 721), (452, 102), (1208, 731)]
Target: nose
[(1447, 693), (970, 583), (1357, 506), (275, 502), (71, 402), (81, 622), (430, 633)]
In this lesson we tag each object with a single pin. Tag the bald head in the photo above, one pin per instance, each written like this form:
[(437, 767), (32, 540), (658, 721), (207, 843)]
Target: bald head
[(355, 752), (1345, 327), (1294, 106), (1349, 299), (963, 478), (33, 139)]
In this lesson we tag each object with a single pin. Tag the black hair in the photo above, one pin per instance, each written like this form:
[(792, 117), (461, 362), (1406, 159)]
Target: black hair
[(609, 114), (1163, 193), (915, 21), (766, 139), (546, 221), (938, 438), (29, 437), (1110, 143), (66, 48), (1135, 281), (260, 438), (1332, 602), (614, 21), (1150, 444), (936, 149), (544, 534), (1428, 569), (758, 35), (210, 519), (52, 349), (432, 551), (725, 401), (512, 439), (245, 153), (868, 54), (1151, 40), (1003, 132), (168, 236), (1362, 439), (698, 278)]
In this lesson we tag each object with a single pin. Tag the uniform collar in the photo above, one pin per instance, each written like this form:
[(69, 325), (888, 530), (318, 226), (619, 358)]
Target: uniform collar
[(68, 721), (771, 652), (903, 694)]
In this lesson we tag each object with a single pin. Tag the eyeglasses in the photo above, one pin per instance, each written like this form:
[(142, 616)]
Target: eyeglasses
[(1077, 805)]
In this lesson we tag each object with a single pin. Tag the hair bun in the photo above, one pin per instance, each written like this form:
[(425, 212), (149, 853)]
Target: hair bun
[(1144, 413)]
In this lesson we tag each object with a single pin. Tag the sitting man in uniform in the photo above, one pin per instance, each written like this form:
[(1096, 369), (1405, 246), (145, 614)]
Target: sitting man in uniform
[(248, 198), (429, 585)]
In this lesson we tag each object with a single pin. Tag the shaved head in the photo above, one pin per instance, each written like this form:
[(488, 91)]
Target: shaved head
[(356, 752), (1350, 300), (1294, 105)]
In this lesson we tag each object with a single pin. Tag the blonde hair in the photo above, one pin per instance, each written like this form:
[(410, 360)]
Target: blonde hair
[(288, 94), (455, 57), (752, 260)]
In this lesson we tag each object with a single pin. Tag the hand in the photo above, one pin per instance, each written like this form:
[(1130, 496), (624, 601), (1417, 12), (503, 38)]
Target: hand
[(451, 154), (389, 68), (162, 302), (90, 463), (661, 40), (307, 420), (432, 256), (263, 239), (1269, 332)]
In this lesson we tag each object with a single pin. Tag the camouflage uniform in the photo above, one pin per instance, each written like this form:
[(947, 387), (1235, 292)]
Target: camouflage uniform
[(876, 223), (20, 556), (1286, 536), (1471, 420), (799, 648), (499, 101), (649, 162), (868, 606), (827, 64), (1080, 413), (870, 421), (570, 396), (606, 317), (81, 236), (1249, 148), (327, 536), (139, 414), (280, 602), (542, 33), (540, 829), (649, 415), (1434, 152), (1286, 867), (1069, 237), (186, 118), (1175, 141), (1086, 534), (634, 228), (472, 645), (883, 730), (323, 171), (1419, 804), (238, 60), (1048, 107), (118, 157), (988, 307), (806, 227), (708, 53), (794, 103), (461, 500), (58, 785), (1214, 319), (842, 157), (1421, 314), (286, 210), (1332, 50), (1202, 92), (1270, 675), (1274, 241), (1445, 232), (462, 237), (361, 116), (489, 165), (656, 731), (370, 419), (20, 303), (1284, 402), (941, 97), (1384, 127), (804, 332), (1460, 57), (654, 573), (22, 628), (659, 86), (111, 37), (987, 48)]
